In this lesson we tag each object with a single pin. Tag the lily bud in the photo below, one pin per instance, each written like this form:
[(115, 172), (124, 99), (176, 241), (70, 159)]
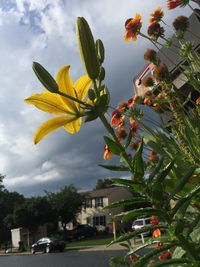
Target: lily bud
[(45, 78), (102, 74), (87, 48), (100, 50)]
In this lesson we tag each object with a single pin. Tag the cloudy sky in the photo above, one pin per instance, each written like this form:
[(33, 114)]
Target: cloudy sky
[(44, 31)]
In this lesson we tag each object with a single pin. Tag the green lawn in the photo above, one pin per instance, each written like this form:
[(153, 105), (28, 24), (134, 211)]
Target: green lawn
[(92, 241)]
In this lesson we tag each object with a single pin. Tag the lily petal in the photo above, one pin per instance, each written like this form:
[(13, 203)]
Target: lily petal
[(65, 84), (74, 126), (82, 86), (50, 126), (49, 102)]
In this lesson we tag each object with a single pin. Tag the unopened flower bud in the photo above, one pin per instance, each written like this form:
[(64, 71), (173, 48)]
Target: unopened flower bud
[(87, 48), (45, 78), (100, 50)]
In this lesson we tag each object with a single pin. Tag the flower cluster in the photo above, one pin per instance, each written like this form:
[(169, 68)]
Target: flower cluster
[(124, 124)]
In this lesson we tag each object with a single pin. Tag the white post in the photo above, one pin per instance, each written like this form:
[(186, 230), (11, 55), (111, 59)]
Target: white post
[(142, 237)]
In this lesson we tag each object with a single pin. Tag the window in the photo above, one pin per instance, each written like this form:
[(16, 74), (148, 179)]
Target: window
[(88, 203), (98, 202), (99, 220)]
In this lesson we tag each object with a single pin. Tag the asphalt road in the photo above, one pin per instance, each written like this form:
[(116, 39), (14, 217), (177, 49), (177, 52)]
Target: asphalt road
[(65, 259)]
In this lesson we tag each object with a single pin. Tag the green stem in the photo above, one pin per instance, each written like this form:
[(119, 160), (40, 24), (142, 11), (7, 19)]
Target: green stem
[(74, 99), (112, 133)]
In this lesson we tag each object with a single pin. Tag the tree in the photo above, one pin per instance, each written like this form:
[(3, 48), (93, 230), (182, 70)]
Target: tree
[(66, 204), (103, 183), (1, 182), (8, 202), (35, 211)]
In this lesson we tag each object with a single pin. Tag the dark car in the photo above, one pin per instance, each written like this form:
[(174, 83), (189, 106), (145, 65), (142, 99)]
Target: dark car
[(48, 245), (81, 231)]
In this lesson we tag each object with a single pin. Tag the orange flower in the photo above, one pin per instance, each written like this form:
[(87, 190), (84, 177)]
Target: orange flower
[(157, 15), (157, 107), (121, 134), (198, 101), (167, 255), (154, 220), (131, 102), (134, 128), (156, 233), (153, 156), (123, 106), (107, 153), (161, 95), (175, 3), (116, 118), (155, 31), (134, 145), (133, 27), (133, 258), (147, 101)]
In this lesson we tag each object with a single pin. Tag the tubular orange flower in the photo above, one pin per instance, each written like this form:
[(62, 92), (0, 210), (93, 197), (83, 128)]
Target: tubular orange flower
[(117, 118), (175, 3), (167, 255), (153, 156), (133, 258), (154, 220), (198, 101), (107, 153), (156, 233), (133, 27), (157, 15), (70, 112)]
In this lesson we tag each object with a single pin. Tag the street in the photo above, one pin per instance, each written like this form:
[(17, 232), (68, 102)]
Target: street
[(71, 258)]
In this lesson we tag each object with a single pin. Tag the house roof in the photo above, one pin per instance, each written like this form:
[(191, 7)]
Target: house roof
[(105, 192)]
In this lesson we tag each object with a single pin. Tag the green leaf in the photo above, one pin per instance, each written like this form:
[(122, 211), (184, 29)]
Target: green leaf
[(178, 253), (161, 176), (115, 261), (182, 183), (157, 191), (124, 182), (128, 140), (45, 77), (156, 169), (114, 147), (120, 168), (172, 262), (141, 262), (130, 215), (138, 163), (127, 202), (183, 200)]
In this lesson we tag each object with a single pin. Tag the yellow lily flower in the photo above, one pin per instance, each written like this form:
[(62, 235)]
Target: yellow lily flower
[(56, 104)]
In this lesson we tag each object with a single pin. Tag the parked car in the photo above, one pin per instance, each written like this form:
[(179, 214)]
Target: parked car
[(81, 231), (48, 245), (140, 223)]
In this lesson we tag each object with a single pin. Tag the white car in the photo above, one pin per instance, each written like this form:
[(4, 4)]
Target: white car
[(140, 223)]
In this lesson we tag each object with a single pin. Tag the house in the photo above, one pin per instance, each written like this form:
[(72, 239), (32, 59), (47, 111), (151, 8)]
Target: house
[(92, 212), (169, 57)]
